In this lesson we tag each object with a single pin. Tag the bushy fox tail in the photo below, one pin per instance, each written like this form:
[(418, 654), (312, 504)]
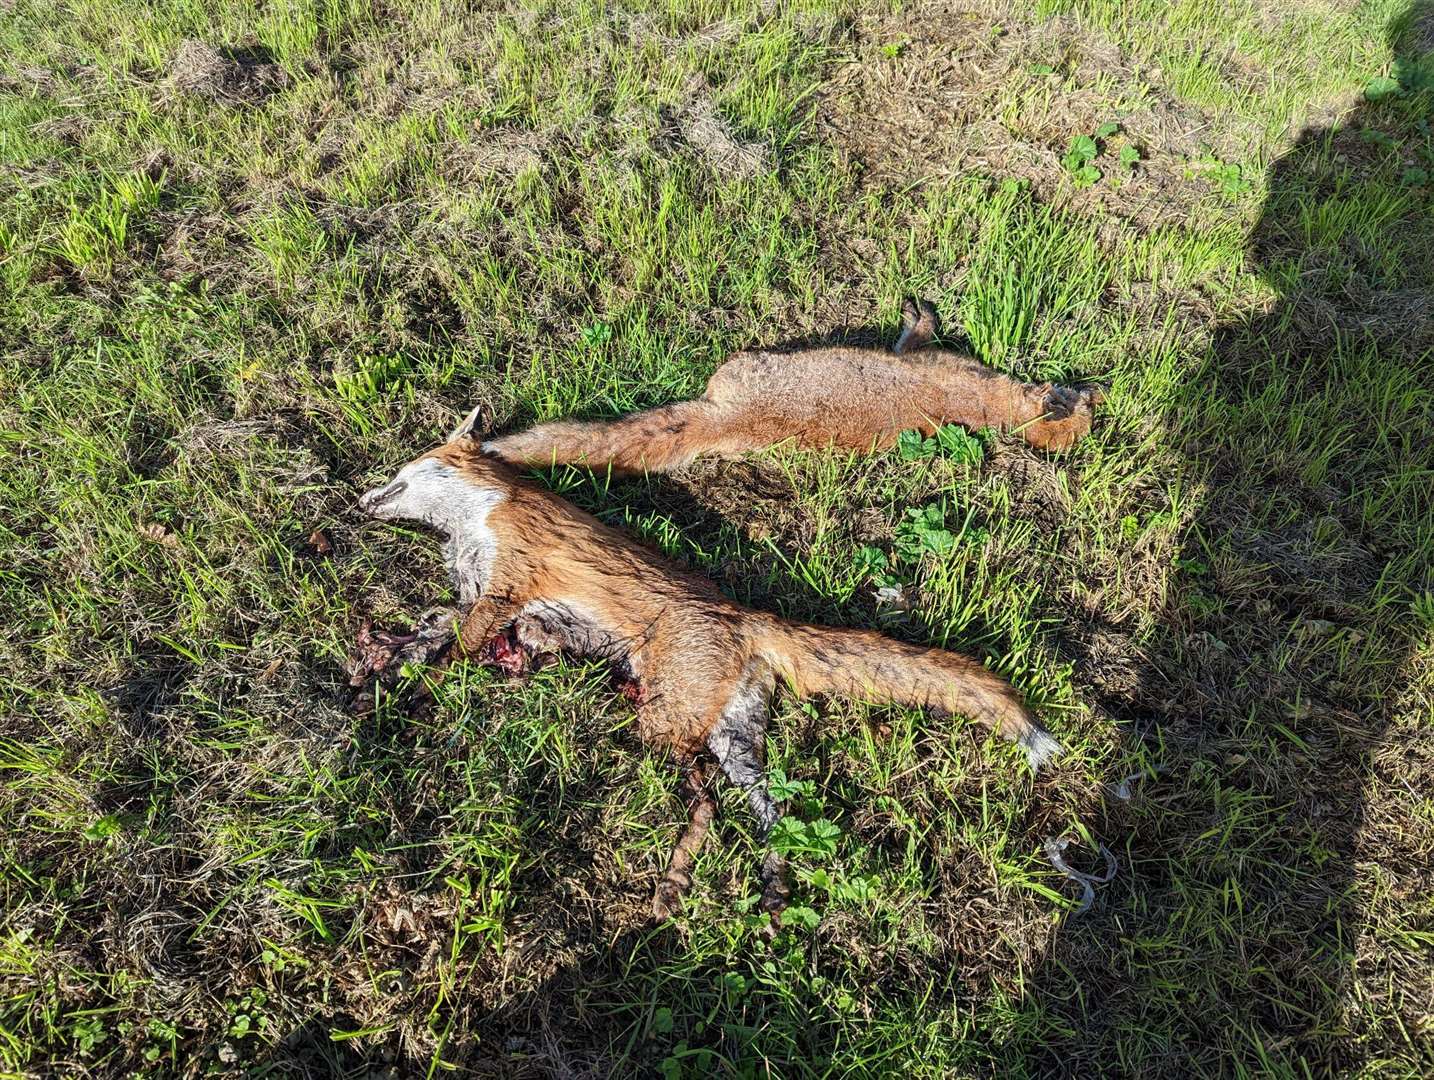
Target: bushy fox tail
[(656, 440), (867, 666)]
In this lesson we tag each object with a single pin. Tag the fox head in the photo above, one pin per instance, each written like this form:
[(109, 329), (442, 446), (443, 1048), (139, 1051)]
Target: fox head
[(446, 487)]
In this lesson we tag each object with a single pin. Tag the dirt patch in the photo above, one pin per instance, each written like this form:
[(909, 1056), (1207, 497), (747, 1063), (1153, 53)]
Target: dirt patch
[(1399, 320), (694, 125), (505, 152), (69, 130), (198, 243), (944, 90), (699, 125), (753, 494), (28, 79), (235, 76), (1419, 36), (407, 928)]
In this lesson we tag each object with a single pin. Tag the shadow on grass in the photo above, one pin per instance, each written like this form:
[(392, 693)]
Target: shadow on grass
[(1238, 936)]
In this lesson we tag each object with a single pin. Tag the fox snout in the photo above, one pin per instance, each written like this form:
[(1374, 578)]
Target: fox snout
[(373, 502)]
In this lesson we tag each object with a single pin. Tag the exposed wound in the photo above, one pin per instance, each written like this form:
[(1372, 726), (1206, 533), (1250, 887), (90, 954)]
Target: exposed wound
[(505, 652)]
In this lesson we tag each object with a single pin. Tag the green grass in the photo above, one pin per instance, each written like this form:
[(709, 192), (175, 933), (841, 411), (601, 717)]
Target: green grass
[(230, 305)]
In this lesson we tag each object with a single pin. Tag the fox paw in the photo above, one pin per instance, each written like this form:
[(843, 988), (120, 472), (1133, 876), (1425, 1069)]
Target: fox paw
[(1068, 412), (919, 326), (776, 889), (382, 654), (667, 897)]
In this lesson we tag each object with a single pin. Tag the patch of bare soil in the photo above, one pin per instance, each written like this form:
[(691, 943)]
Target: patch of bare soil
[(1420, 34), (703, 129), (948, 89), (198, 243), (754, 494), (694, 124), (28, 79), (1346, 288), (234, 76)]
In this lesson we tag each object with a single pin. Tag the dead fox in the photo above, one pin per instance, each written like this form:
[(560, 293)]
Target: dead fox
[(535, 575), (837, 396)]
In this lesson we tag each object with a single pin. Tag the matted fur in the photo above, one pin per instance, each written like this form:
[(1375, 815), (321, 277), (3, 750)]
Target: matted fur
[(701, 666), (839, 397)]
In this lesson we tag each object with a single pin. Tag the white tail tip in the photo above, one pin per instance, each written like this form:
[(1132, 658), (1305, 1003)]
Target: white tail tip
[(1041, 747)]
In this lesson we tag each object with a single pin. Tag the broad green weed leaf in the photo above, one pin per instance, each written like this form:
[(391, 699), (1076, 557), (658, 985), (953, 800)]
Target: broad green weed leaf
[(1381, 87)]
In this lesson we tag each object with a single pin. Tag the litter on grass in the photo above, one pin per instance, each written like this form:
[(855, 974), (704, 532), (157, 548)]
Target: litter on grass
[(1054, 851)]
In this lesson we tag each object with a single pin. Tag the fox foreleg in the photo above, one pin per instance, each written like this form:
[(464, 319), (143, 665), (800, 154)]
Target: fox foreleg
[(485, 618)]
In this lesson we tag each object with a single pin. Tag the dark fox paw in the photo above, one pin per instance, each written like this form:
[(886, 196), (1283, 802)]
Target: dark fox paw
[(1068, 411), (667, 897), (776, 889), (919, 325)]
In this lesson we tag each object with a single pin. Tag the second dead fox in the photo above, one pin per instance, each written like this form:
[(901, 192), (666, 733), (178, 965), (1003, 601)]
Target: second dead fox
[(834, 396), (535, 576)]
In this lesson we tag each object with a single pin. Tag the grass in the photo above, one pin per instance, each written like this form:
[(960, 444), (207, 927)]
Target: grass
[(244, 279)]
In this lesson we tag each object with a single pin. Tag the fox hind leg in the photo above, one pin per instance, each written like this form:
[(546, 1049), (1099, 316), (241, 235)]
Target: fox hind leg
[(919, 326), (737, 743)]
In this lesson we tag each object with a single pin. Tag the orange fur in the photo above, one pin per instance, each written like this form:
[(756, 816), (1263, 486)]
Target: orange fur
[(839, 396), (689, 644)]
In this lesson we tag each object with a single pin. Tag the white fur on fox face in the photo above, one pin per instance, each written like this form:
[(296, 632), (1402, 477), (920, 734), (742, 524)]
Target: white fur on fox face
[(438, 495), (433, 493)]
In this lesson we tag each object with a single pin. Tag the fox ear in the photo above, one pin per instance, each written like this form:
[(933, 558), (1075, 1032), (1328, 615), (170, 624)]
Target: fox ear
[(473, 426)]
